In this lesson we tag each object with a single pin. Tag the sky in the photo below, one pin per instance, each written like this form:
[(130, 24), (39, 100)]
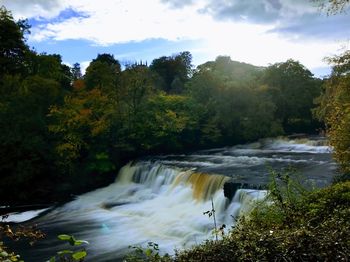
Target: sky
[(260, 32)]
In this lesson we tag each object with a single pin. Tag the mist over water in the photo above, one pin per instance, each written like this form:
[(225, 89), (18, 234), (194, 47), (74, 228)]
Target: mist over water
[(163, 199)]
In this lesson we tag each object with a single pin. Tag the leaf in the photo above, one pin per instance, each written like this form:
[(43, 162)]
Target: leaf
[(64, 237), (63, 252), (52, 259), (14, 258), (72, 241), (79, 255), (4, 254), (79, 242), (148, 252)]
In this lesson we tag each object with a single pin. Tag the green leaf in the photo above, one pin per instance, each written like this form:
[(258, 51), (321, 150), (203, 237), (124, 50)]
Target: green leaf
[(63, 252), (52, 259), (79, 242), (72, 241), (64, 237), (148, 252), (4, 254), (79, 255), (14, 258)]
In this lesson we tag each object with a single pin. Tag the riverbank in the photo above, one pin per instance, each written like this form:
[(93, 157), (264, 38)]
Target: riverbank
[(162, 199), (314, 227), (310, 226)]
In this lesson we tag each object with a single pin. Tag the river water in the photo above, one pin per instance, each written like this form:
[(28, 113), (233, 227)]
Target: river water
[(162, 199)]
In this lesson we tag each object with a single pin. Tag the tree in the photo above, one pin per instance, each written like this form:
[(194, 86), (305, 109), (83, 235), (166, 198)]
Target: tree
[(167, 120), (173, 71), (292, 89), (81, 125), (333, 6), (232, 107), (334, 109), (26, 147), (102, 73), (76, 71), (49, 67), (135, 86), (12, 44)]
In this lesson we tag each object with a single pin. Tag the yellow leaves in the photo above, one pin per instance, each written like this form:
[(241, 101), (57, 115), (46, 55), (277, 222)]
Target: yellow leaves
[(68, 151), (335, 110), (85, 112), (99, 127), (78, 85), (84, 116)]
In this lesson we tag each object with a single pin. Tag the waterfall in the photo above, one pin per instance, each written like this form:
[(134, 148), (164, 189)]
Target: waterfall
[(163, 200), (150, 201)]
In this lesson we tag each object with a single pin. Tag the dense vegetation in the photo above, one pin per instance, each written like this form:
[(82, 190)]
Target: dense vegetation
[(65, 132), (293, 224), (299, 226)]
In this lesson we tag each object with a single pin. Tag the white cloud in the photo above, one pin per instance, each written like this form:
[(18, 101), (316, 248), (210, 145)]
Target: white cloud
[(125, 21), (249, 43), (110, 22), (35, 8), (83, 66)]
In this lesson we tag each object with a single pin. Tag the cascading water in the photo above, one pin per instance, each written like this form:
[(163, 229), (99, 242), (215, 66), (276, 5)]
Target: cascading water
[(148, 202), (163, 199)]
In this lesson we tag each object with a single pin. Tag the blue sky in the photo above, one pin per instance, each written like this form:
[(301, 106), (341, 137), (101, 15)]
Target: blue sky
[(259, 32)]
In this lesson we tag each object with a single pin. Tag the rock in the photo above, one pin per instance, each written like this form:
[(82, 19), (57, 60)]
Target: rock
[(230, 188)]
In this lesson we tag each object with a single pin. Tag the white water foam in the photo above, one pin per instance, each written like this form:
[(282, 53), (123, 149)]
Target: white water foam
[(152, 202), (19, 217)]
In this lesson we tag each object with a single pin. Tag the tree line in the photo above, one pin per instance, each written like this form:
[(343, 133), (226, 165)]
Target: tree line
[(64, 131)]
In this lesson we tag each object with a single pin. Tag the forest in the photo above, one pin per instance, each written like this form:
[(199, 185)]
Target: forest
[(64, 132)]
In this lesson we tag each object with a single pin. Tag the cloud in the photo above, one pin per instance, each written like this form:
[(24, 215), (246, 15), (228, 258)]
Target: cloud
[(258, 11), (298, 19), (35, 8), (316, 27), (174, 19), (126, 21), (83, 66), (255, 31), (178, 3), (250, 44)]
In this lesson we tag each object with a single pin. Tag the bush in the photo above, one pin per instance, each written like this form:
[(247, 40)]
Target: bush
[(304, 226)]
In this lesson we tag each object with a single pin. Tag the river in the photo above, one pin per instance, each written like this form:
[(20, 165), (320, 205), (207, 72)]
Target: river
[(162, 199)]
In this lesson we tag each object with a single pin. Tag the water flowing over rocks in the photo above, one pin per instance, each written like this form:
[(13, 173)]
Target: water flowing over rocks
[(163, 199)]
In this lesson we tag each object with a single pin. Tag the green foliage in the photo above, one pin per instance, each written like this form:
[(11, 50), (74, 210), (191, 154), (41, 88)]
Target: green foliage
[(101, 163), (334, 102), (15, 234), (166, 118), (12, 44), (61, 127), (81, 124), (69, 254), (8, 256), (310, 226), (148, 254), (233, 107), (48, 67), (334, 109), (292, 89), (292, 224), (173, 71), (102, 72)]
